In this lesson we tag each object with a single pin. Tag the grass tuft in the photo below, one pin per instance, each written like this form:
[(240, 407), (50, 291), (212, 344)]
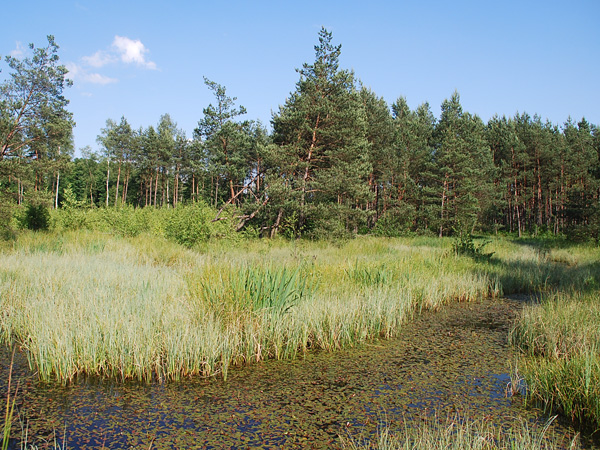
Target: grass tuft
[(458, 434)]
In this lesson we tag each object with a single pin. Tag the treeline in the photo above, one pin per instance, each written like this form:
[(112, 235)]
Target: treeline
[(338, 161)]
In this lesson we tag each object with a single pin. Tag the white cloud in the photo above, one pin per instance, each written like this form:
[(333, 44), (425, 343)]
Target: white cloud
[(73, 69), (99, 59), (77, 72), (132, 51), (97, 78), (122, 49), (18, 52)]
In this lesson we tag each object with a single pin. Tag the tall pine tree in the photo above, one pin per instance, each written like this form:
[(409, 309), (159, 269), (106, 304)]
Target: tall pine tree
[(321, 133)]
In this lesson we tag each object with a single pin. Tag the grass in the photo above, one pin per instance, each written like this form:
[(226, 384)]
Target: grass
[(560, 341), (145, 308), (456, 434), (558, 336)]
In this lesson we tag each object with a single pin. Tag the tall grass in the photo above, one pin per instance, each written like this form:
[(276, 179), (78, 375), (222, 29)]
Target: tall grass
[(145, 308), (560, 339), (456, 434)]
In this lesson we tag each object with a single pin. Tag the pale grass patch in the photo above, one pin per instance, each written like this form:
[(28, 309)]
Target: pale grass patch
[(458, 434), (145, 308)]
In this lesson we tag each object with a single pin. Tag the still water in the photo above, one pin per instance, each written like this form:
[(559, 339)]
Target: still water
[(451, 363)]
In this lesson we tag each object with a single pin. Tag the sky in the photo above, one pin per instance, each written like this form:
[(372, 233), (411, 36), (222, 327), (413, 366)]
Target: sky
[(143, 59)]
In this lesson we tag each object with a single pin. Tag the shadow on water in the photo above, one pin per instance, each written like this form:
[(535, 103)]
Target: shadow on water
[(454, 362)]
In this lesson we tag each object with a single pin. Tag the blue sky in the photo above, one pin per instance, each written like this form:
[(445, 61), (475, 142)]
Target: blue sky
[(141, 59)]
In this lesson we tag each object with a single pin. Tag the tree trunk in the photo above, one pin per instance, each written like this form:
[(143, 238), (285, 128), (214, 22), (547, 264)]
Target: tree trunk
[(107, 178), (313, 144), (118, 183), (156, 187), (125, 187), (193, 187), (275, 228), (216, 192), (167, 198), (57, 185), (444, 188)]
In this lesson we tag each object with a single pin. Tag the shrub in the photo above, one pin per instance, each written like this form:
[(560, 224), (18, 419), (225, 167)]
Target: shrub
[(395, 222), (188, 225), (464, 244), (37, 217)]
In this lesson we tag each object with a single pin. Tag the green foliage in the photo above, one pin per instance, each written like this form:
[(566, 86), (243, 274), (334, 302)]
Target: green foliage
[(464, 244), (37, 216), (339, 162), (73, 215), (189, 225), (33, 116), (369, 275), (560, 341), (274, 290), (9, 222), (396, 221), (322, 145)]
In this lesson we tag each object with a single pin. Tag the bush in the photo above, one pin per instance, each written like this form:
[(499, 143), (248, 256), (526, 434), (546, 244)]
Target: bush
[(465, 245), (396, 221), (37, 217), (188, 225)]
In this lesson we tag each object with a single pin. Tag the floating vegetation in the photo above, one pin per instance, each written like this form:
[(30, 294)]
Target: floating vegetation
[(446, 363)]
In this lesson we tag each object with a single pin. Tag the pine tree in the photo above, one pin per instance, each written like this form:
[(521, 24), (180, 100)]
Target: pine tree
[(321, 132), (413, 157), (462, 169)]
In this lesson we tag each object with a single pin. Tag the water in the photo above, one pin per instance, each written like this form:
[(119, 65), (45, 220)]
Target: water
[(452, 363)]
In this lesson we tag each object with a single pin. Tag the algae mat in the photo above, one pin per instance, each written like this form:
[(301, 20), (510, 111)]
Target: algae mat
[(454, 362)]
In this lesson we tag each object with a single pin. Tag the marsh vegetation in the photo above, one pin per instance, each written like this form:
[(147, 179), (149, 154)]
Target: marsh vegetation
[(141, 307)]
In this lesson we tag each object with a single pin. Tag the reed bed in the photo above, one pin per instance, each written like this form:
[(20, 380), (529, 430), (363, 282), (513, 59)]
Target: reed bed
[(560, 341), (145, 308), (559, 335), (457, 434)]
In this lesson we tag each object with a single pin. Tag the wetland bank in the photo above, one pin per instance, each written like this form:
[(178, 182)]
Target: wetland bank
[(453, 362), (132, 344)]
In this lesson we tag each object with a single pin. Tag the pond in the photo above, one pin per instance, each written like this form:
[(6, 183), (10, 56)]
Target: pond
[(454, 362)]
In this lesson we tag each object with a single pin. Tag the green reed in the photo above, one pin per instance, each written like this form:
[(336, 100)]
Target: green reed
[(146, 308), (560, 341), (458, 434)]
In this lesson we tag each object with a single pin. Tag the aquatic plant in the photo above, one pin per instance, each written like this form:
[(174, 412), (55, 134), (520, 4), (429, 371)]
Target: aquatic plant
[(460, 434), (10, 408), (560, 341), (145, 308), (276, 289)]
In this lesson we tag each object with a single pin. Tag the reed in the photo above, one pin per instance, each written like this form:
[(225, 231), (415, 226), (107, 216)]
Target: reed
[(457, 434), (560, 341), (145, 308)]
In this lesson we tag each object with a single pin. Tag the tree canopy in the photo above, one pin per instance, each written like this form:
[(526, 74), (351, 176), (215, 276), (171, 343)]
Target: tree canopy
[(340, 160)]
